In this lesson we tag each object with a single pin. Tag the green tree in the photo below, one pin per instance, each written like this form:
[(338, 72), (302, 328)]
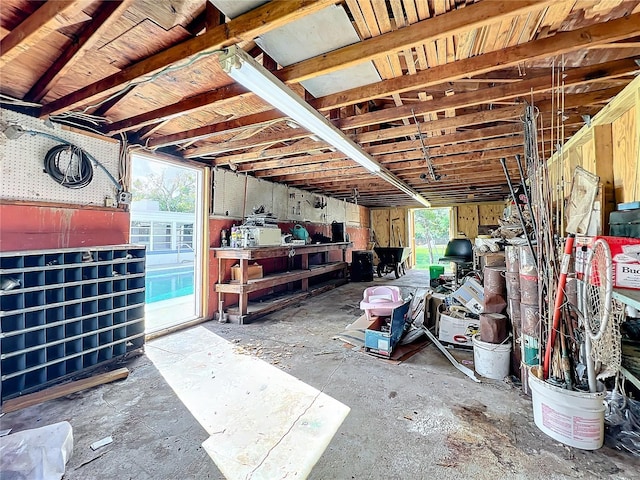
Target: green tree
[(431, 227), (175, 193)]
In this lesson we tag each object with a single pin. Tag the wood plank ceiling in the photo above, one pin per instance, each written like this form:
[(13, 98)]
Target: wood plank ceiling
[(458, 71)]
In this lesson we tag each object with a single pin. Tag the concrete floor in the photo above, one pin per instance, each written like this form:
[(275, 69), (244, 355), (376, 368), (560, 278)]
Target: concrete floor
[(421, 419)]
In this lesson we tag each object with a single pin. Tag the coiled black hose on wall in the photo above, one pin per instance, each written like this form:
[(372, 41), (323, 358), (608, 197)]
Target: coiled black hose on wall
[(69, 166)]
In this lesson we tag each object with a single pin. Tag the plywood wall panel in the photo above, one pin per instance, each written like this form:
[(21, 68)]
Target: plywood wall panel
[(468, 220), (490, 213), (380, 226), (626, 157)]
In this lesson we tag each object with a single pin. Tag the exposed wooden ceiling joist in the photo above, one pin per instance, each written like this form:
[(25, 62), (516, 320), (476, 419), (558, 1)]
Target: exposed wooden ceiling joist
[(246, 27), (35, 28)]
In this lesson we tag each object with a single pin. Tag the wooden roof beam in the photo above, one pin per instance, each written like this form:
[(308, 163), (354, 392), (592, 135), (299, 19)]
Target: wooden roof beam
[(34, 28), (523, 88), (245, 27), (568, 41), (561, 42), (454, 22), (108, 13), (378, 135)]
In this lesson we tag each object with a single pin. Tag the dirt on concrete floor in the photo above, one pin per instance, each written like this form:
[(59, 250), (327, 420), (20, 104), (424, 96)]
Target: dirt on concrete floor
[(421, 419)]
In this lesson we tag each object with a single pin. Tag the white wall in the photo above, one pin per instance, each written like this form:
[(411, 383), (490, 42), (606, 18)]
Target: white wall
[(235, 195)]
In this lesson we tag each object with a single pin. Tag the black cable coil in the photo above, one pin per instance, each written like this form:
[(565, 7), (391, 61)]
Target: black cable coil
[(69, 166)]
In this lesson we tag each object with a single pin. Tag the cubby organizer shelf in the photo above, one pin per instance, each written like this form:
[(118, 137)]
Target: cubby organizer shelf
[(66, 310)]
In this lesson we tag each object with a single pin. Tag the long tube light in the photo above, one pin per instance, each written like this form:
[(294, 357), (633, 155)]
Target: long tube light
[(249, 73)]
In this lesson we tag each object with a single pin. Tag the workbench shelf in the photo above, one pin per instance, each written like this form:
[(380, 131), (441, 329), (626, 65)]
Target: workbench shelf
[(299, 277), (67, 310)]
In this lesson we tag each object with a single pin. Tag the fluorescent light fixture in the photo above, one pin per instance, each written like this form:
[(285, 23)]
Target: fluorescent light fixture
[(249, 73)]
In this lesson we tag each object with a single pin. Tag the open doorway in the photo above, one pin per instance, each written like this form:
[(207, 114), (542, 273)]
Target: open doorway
[(166, 217), (431, 228)]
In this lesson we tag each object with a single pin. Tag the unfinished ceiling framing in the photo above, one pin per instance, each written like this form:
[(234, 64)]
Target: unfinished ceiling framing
[(412, 82)]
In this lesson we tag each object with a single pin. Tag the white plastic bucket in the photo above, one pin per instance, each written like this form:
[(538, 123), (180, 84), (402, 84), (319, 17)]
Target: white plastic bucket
[(573, 418), (491, 360)]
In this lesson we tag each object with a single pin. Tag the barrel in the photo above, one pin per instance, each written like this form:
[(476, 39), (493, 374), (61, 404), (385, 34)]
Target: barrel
[(495, 290), (512, 258), (512, 280)]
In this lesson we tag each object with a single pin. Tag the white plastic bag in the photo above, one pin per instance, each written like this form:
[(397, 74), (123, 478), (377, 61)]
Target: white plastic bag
[(37, 454)]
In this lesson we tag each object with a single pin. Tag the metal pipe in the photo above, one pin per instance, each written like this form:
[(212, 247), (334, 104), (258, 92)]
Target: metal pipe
[(503, 162), (526, 194)]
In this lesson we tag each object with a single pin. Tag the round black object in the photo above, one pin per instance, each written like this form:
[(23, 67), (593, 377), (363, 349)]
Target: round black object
[(361, 266), (69, 166)]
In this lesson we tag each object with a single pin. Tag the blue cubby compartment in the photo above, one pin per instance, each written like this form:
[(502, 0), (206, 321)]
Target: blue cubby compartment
[(74, 292), (72, 329), (53, 315), (71, 348), (136, 266), (33, 279), (12, 323), (120, 285), (73, 274), (135, 282), (105, 320), (105, 304), (38, 376), (51, 259), (11, 300), (54, 295), (105, 271), (119, 301), (120, 253), (58, 369), (11, 344), (72, 311), (34, 337), (10, 365), (90, 324), (89, 342), (89, 290), (135, 298), (104, 255), (34, 299), (10, 263), (90, 272), (136, 252), (105, 353), (72, 258), (14, 361), (54, 276), (34, 261), (12, 281), (119, 348), (105, 287), (119, 269), (119, 317)]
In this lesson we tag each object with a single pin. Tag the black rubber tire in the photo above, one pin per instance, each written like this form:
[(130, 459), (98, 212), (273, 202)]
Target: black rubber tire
[(397, 270), (379, 271)]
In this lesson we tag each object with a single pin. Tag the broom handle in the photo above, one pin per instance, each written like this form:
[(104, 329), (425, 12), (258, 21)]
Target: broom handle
[(557, 309)]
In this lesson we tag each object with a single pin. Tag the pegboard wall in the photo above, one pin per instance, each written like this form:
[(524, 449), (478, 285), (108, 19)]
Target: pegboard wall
[(21, 164), (287, 204)]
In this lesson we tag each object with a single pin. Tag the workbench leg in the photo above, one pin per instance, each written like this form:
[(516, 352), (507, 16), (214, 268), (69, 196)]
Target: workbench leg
[(243, 298), (304, 259), (219, 306)]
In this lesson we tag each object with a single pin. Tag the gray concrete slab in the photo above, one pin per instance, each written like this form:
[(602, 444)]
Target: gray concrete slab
[(421, 419)]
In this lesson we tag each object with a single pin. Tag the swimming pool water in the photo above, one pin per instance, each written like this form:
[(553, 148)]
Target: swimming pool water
[(167, 283)]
